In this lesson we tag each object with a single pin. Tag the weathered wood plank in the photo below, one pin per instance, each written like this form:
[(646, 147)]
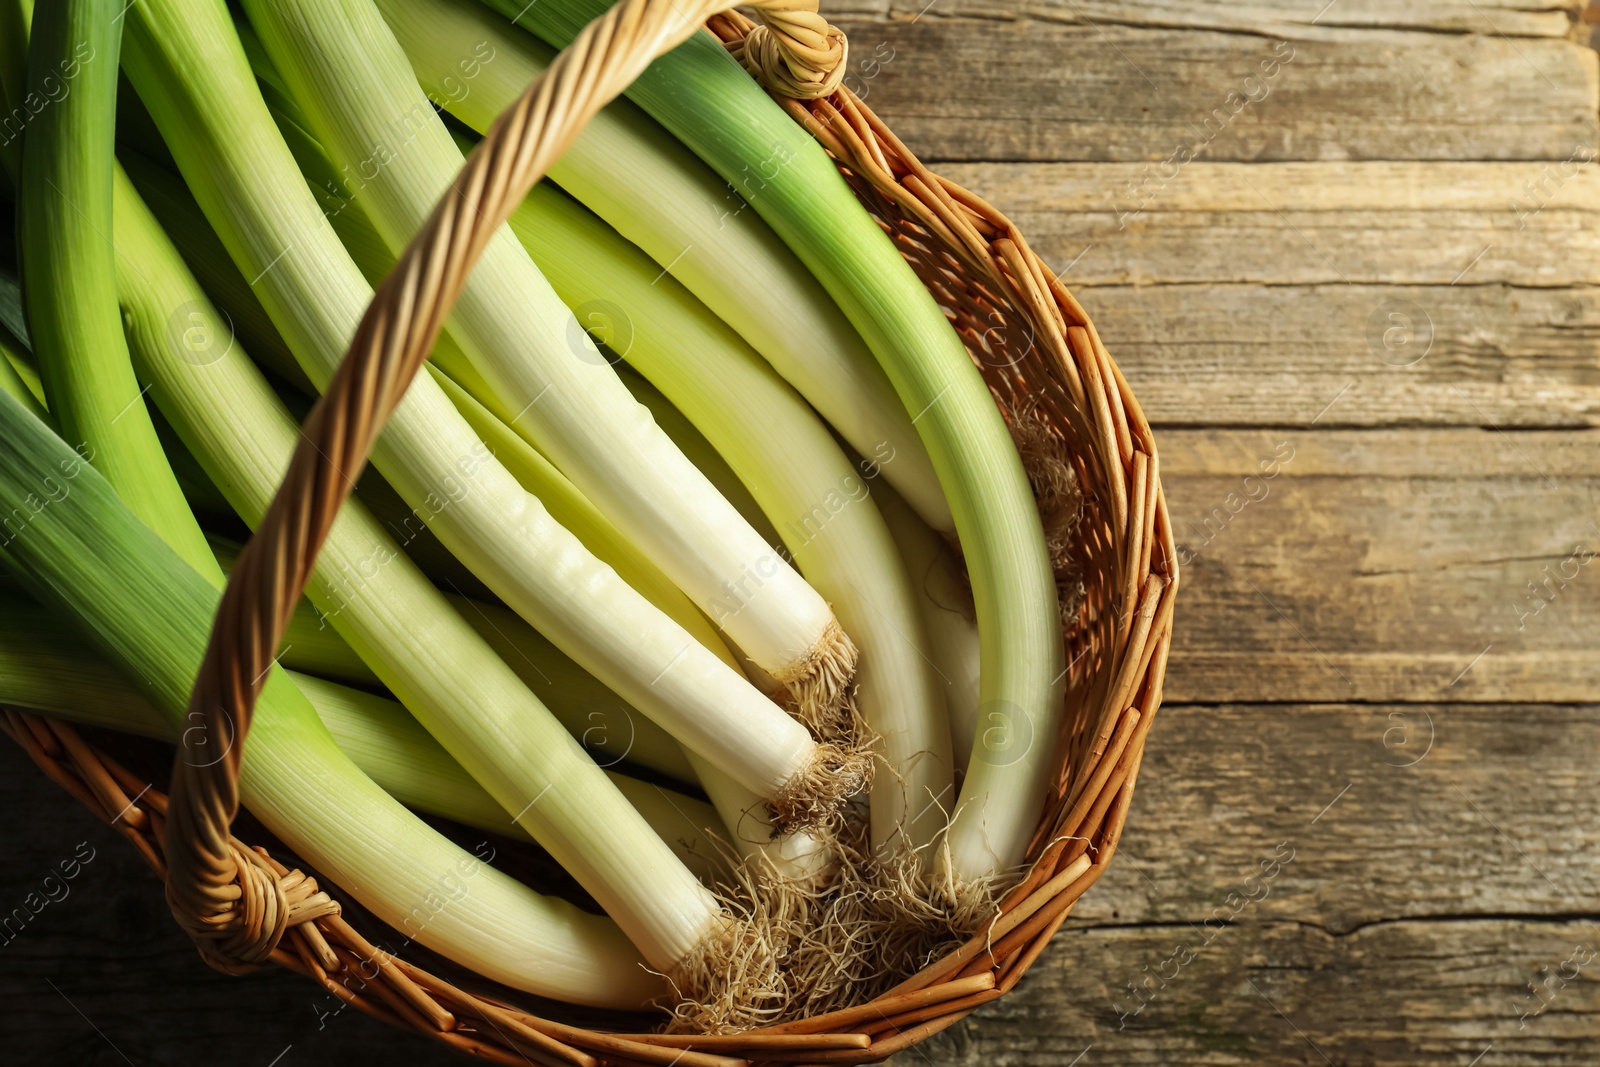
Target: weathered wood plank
[(1267, 992), (1294, 19), (1474, 355), (1387, 565), (1000, 88), (1343, 816), (1435, 291), (1527, 224)]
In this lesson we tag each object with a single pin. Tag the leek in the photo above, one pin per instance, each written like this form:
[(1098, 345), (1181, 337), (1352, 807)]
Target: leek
[(307, 645), (413, 639), (577, 513), (188, 65), (311, 648), (350, 78), (69, 282), (945, 604), (11, 379), (80, 526), (405, 524), (16, 105), (632, 173), (794, 853), (243, 319), (473, 398), (21, 365), (46, 667), (808, 487), (598, 815), (82, 551), (572, 695), (698, 449), (205, 500), (590, 712), (702, 95), (694, 445), (390, 746)]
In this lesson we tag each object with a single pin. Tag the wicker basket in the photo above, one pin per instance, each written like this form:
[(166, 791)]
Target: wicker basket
[(1039, 354)]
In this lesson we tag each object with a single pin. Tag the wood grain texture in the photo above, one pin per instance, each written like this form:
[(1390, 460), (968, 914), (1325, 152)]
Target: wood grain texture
[(1386, 812), (1440, 293), (1404, 993), (1384, 565), (1262, 354), (1307, 223), (1034, 89), (1293, 19)]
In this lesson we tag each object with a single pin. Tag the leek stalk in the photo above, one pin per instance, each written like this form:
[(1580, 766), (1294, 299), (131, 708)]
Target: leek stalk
[(575, 697), (352, 81), (702, 95), (401, 625), (189, 67), (46, 667), (945, 604), (69, 280), (11, 379), (794, 853), (594, 715), (697, 448), (632, 173), (79, 549), (308, 646), (390, 746), (819, 502)]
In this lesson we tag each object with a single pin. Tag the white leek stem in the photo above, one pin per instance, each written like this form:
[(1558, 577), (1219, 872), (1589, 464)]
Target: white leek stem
[(744, 815), (223, 140), (701, 94), (617, 732), (594, 715), (816, 498), (399, 623), (656, 193), (945, 604), (87, 555), (46, 667), (353, 82)]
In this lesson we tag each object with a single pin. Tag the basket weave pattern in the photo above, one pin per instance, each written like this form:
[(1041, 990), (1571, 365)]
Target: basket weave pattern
[(1044, 364)]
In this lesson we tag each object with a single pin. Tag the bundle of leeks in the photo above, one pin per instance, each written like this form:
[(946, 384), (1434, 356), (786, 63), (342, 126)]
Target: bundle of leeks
[(669, 516)]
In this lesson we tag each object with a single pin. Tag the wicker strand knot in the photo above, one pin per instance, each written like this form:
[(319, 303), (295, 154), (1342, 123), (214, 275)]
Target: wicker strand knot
[(237, 927), (795, 51)]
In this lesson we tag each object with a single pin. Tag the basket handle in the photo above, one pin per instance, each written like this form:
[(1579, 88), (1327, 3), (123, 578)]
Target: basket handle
[(236, 910)]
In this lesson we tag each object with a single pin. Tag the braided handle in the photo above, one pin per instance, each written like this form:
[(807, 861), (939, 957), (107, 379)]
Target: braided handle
[(235, 909)]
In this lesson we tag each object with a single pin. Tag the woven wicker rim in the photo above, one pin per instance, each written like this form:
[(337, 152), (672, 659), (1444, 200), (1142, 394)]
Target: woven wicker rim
[(1043, 361)]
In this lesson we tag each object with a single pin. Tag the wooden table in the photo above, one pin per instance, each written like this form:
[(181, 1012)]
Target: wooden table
[(1371, 270)]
